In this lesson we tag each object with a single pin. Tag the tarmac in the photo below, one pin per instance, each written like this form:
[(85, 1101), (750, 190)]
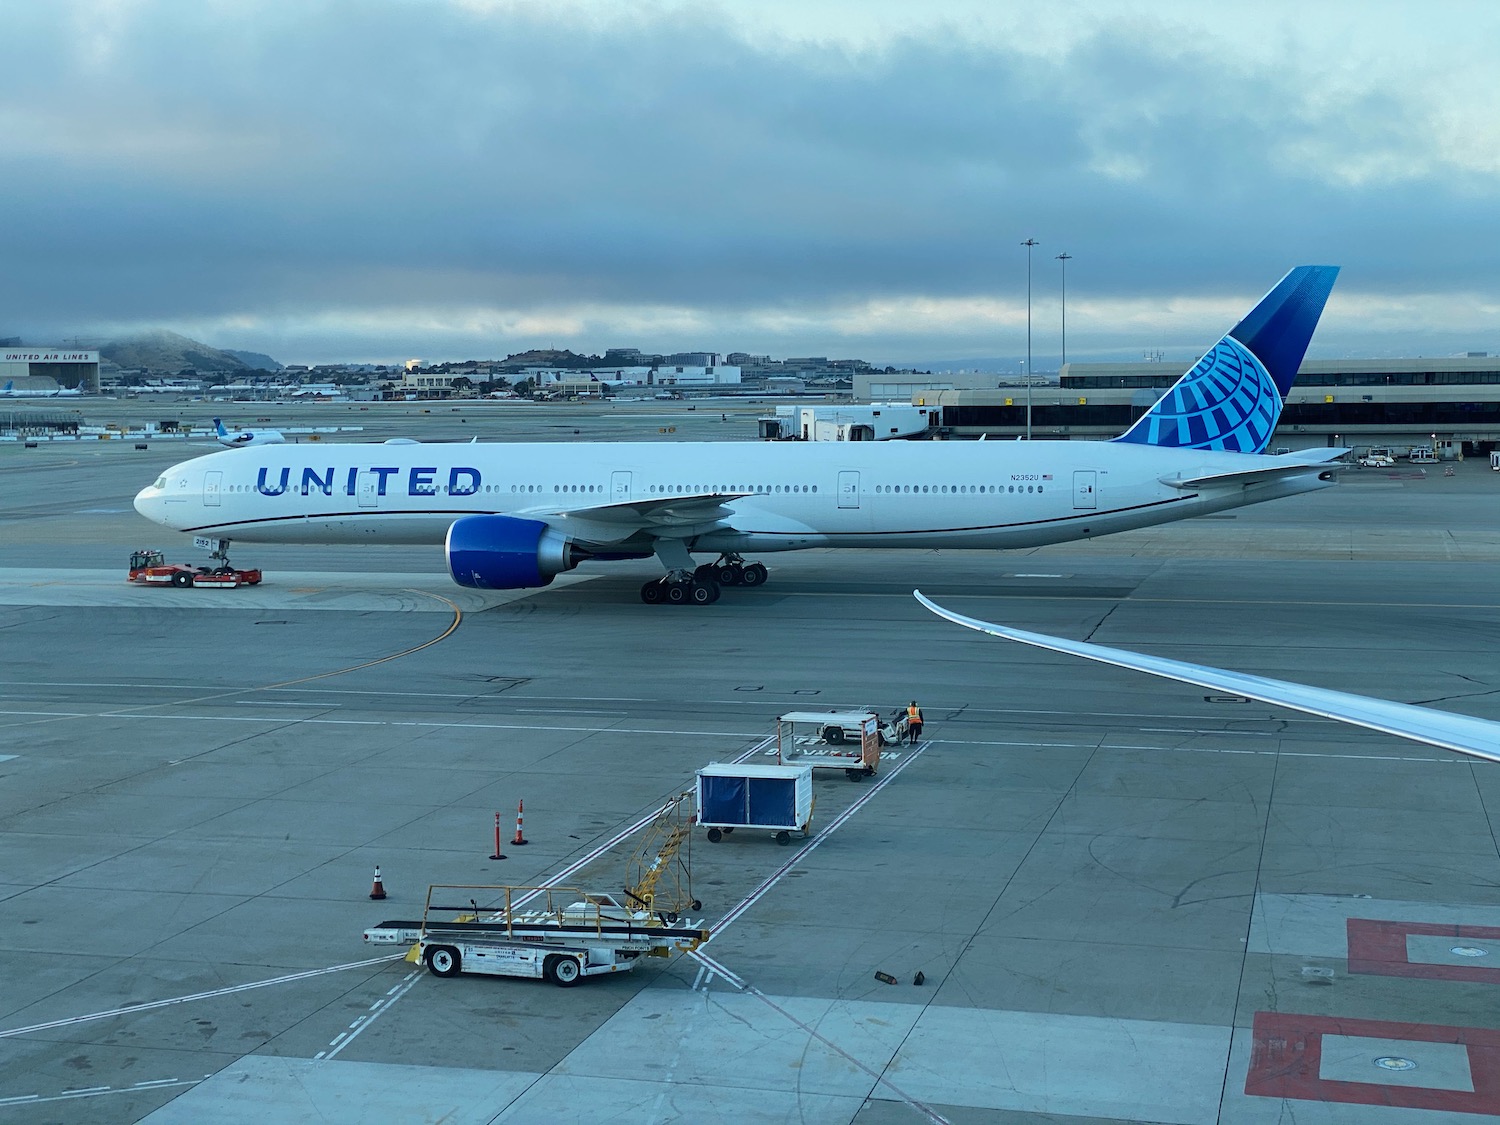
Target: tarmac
[(1129, 901)]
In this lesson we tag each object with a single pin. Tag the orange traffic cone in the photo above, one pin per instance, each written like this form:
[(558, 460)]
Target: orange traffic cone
[(520, 839), (377, 889)]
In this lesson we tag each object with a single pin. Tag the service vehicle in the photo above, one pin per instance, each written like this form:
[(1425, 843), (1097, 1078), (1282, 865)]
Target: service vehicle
[(1377, 458), (149, 567), (560, 934), (1423, 455)]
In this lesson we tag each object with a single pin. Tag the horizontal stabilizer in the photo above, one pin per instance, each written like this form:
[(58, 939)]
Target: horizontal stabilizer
[(1267, 468), (1462, 733)]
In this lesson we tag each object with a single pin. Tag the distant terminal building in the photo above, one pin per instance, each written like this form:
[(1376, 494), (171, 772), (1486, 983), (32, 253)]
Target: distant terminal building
[(1450, 405), (50, 369)]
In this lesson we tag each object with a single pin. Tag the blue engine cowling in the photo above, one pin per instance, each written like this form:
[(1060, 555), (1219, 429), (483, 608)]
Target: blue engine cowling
[(506, 553)]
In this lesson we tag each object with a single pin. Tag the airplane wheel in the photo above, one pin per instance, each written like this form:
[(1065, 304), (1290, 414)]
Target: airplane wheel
[(651, 593), (756, 574), (677, 593), (731, 575), (704, 593), (704, 572)]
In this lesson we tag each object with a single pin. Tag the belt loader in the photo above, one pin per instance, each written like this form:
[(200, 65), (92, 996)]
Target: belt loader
[(557, 934)]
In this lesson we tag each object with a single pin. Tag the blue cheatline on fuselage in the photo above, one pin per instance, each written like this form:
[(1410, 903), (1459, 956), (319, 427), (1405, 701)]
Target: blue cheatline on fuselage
[(1232, 398)]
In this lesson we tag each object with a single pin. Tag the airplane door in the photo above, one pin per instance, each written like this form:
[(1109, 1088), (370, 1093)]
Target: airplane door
[(369, 484), (619, 487), (212, 484), (1085, 489), (849, 489)]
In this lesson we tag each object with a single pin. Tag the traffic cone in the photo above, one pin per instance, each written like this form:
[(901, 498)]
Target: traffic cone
[(377, 889), (520, 839)]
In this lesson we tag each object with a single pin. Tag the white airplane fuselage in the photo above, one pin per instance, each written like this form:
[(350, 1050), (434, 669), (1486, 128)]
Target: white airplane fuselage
[(868, 495)]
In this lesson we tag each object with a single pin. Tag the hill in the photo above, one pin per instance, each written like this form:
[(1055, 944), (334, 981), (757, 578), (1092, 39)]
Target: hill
[(258, 361), (168, 351)]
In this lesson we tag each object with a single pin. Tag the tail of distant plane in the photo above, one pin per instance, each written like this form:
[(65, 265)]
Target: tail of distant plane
[(1232, 398), (9, 388), (219, 428)]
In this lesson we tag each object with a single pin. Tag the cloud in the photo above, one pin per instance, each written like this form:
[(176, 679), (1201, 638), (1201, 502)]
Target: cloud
[(344, 172)]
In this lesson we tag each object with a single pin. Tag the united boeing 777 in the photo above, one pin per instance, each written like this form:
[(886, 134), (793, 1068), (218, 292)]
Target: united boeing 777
[(514, 515)]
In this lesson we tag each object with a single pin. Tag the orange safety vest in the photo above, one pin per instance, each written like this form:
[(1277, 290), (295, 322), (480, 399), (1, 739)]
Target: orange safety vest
[(913, 714)]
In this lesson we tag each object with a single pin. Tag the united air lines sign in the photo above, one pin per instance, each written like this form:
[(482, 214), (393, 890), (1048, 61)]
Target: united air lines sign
[(48, 357)]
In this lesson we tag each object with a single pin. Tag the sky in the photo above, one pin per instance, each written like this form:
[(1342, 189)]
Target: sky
[(376, 180)]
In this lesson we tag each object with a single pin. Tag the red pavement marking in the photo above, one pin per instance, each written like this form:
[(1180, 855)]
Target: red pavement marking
[(1380, 948), (1287, 1050)]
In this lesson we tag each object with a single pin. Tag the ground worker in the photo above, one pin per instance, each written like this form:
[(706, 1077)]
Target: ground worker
[(914, 722)]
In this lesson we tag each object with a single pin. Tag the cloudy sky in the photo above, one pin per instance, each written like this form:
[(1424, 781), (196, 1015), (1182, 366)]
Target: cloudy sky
[(381, 179)]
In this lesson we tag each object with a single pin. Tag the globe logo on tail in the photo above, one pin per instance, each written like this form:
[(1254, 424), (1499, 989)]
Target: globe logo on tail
[(1227, 401)]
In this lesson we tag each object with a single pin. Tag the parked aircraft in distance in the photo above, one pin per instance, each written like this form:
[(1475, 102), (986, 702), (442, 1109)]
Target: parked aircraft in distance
[(1463, 733), (512, 516), (238, 438), (10, 391)]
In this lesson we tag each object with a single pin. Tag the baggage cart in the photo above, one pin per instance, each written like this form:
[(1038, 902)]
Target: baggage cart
[(778, 799), (843, 740)]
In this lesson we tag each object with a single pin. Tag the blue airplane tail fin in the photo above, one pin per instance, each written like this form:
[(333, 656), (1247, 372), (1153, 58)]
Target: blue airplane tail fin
[(1232, 398), (219, 428)]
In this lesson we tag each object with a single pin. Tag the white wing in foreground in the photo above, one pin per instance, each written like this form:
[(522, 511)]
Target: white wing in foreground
[(1463, 733)]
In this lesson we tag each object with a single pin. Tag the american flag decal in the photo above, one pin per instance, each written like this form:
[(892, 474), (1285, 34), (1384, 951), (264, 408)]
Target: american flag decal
[(1046, 476)]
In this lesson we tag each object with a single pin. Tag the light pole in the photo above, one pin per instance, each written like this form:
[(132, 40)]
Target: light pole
[(1029, 243), (1063, 258)]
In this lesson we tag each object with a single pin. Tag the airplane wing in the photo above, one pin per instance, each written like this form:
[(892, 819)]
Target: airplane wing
[(667, 517), (1463, 733), (1289, 464)]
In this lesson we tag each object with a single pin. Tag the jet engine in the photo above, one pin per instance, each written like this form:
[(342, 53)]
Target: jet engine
[(506, 553)]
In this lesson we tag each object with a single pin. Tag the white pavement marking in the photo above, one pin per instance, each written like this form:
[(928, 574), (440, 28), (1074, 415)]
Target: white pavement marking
[(716, 969), (376, 1009), (812, 845), (131, 1009), (577, 865), (281, 720), (98, 1091)]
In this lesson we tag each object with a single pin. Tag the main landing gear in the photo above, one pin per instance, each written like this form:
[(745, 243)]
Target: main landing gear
[(731, 570), (680, 591), (700, 585)]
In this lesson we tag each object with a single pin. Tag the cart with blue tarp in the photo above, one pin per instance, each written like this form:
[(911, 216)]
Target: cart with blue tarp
[(776, 799)]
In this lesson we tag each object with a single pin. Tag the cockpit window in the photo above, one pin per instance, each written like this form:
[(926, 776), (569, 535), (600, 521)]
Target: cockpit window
[(161, 482)]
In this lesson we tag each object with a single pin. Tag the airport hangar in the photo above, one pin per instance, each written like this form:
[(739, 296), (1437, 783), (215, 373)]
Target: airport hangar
[(43, 370), (1450, 405)]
